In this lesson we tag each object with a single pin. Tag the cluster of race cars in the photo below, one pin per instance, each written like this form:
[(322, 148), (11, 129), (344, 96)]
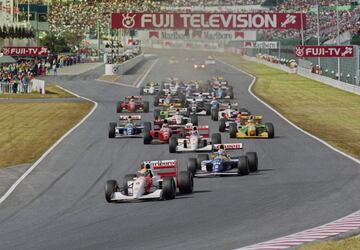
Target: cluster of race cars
[(177, 107)]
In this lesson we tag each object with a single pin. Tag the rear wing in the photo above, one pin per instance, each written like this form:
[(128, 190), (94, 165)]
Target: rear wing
[(133, 97), (257, 118), (133, 117), (229, 146), (164, 168)]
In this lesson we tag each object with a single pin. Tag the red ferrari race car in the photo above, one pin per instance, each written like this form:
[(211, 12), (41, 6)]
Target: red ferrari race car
[(161, 134), (132, 104)]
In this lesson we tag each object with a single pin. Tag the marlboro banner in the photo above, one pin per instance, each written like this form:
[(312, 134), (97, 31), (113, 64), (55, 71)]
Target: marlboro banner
[(208, 20), (25, 51), (261, 45), (324, 51), (230, 35)]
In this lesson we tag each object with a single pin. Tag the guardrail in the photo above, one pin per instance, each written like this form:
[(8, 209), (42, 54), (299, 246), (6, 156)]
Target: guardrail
[(34, 86), (121, 69)]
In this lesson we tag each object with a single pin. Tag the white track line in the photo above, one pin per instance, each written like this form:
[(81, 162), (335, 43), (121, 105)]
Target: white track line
[(146, 73), (341, 225), (117, 83), (18, 181)]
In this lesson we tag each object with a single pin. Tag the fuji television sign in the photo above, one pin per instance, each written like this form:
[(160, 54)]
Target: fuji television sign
[(227, 21)]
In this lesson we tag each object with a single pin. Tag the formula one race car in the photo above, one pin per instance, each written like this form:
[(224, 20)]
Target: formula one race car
[(166, 101), (176, 119), (210, 61), (162, 133), (223, 92), (155, 180), (198, 106), (220, 165), (132, 104), (199, 65), (151, 88), (127, 128), (196, 139), (169, 112), (227, 109), (230, 116), (253, 128)]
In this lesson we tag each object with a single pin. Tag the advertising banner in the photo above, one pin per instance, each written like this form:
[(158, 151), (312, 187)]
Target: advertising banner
[(261, 45), (324, 51), (208, 20), (25, 51), (225, 35)]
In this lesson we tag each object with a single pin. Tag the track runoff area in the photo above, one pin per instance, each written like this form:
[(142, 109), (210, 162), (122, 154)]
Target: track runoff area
[(194, 120)]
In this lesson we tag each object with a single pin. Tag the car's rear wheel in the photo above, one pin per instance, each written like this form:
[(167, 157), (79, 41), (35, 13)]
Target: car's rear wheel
[(270, 128), (147, 138), (215, 114), (142, 90), (112, 126), (194, 120), (200, 158), (118, 107), (253, 161), (156, 101), (146, 106), (157, 113), (222, 125), (232, 130), (186, 182), (192, 166), (216, 138), (147, 127), (111, 186), (207, 109), (173, 144), (168, 188), (243, 166)]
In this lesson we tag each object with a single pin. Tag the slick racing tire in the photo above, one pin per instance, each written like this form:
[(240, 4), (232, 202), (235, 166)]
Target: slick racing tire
[(147, 138), (156, 113), (111, 186), (142, 90), (147, 127), (146, 106), (168, 188), (118, 107), (128, 177), (222, 125), (232, 130), (173, 144), (200, 158), (253, 161), (270, 129), (243, 166), (207, 108), (216, 138), (192, 166), (186, 182), (215, 115), (194, 120), (156, 101), (112, 126)]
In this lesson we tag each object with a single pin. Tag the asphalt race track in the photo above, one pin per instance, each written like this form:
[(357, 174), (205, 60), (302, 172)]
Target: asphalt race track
[(61, 204)]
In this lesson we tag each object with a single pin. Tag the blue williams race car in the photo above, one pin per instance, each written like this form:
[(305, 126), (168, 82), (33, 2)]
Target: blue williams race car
[(127, 128), (220, 164)]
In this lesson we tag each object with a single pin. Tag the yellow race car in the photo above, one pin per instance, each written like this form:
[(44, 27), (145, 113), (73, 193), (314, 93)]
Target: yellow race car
[(252, 128)]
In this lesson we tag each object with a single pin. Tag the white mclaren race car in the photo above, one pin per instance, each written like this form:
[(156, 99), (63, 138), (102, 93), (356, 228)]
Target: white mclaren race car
[(210, 61), (155, 180)]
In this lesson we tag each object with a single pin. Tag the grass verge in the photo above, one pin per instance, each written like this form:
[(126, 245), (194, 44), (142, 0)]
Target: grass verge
[(352, 243), (27, 130), (51, 91), (329, 113)]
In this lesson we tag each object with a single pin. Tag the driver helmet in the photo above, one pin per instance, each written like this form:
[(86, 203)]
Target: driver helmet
[(221, 150), (178, 111), (129, 118), (251, 119), (165, 124), (194, 99)]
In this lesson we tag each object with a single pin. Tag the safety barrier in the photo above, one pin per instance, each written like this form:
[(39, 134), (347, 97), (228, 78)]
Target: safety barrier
[(34, 86), (121, 69)]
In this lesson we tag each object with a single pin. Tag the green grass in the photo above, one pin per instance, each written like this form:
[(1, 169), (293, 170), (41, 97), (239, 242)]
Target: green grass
[(352, 243), (51, 91), (27, 130), (329, 113)]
